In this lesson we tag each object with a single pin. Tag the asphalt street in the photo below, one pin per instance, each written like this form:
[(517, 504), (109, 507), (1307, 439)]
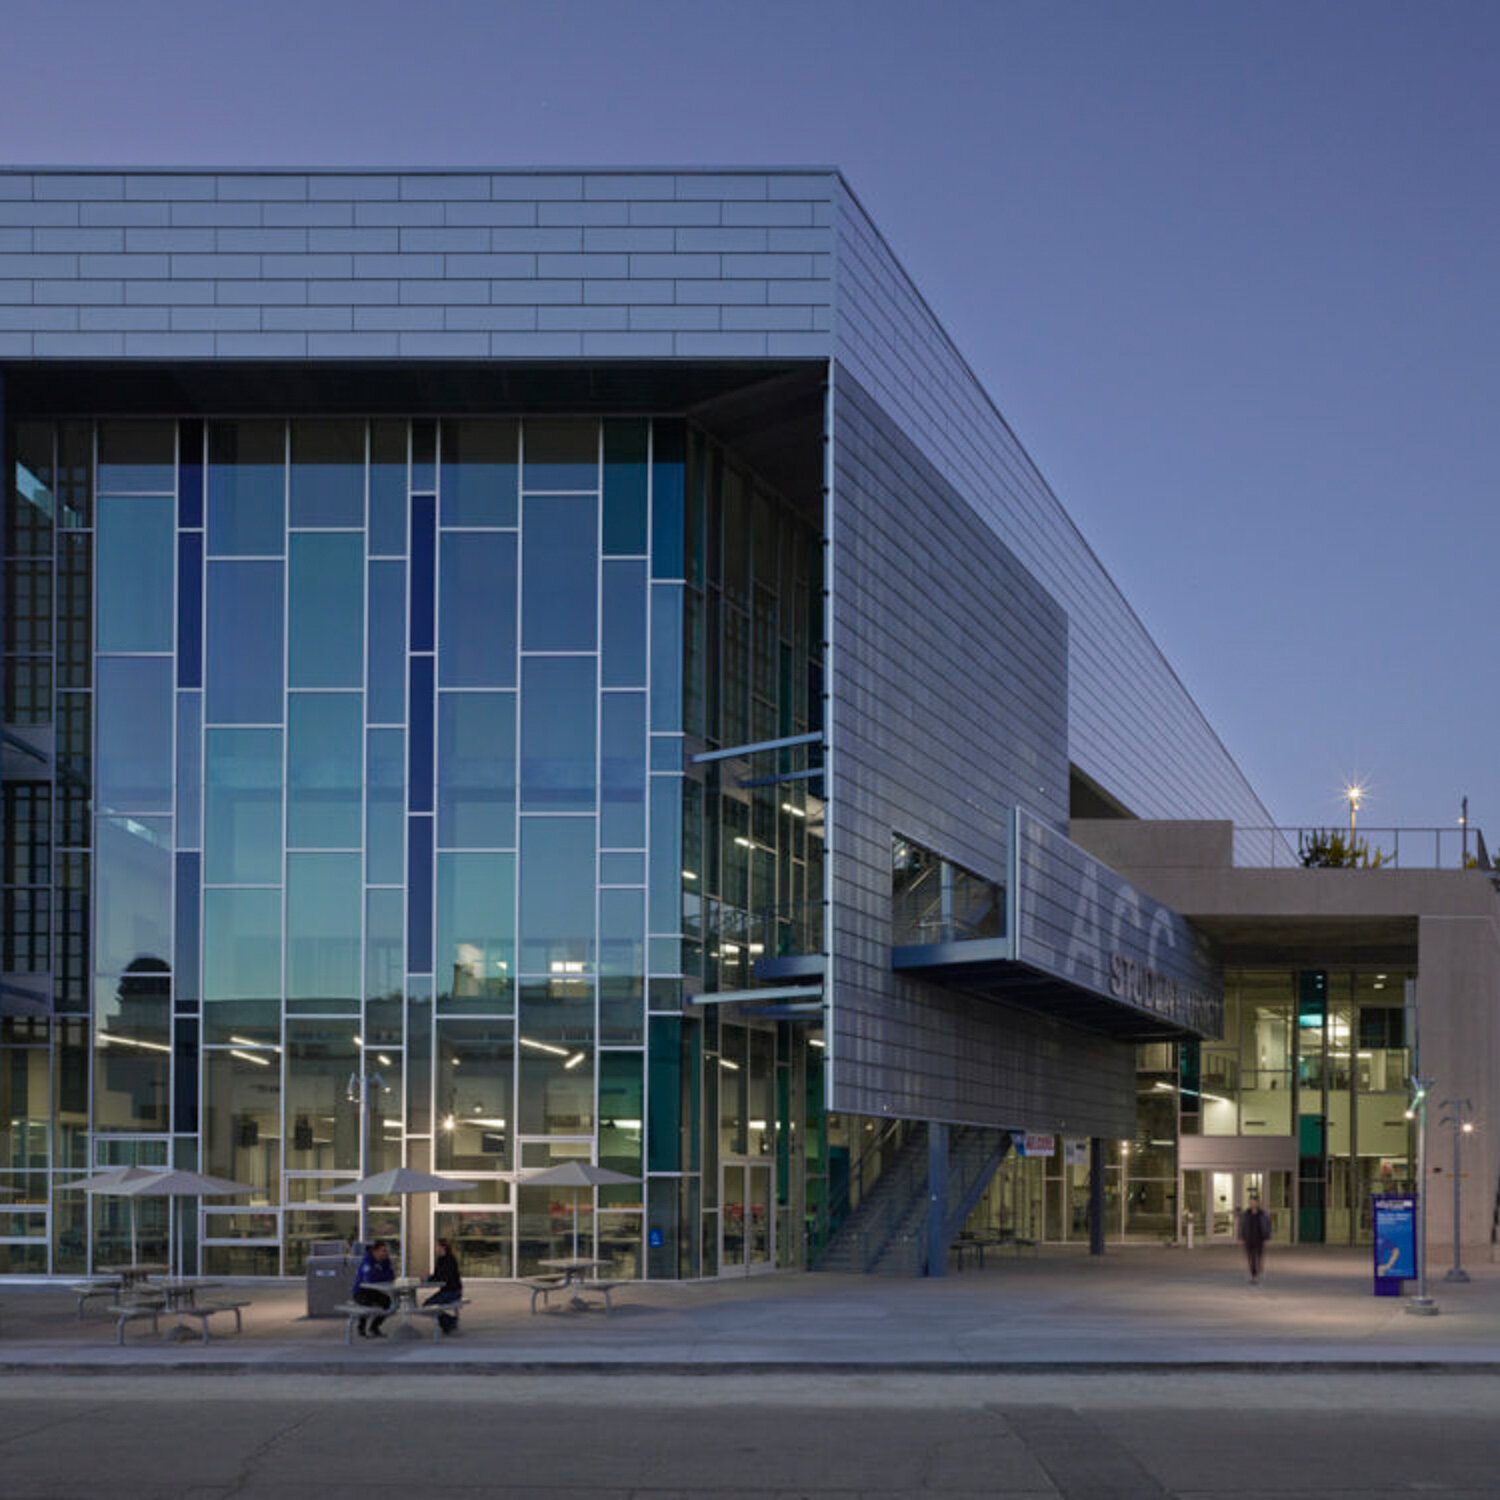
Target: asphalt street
[(205, 1436)]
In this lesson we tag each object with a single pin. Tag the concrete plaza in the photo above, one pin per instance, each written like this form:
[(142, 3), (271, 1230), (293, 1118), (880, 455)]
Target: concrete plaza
[(1136, 1308)]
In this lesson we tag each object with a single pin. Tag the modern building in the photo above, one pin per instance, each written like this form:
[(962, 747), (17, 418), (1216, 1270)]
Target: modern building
[(509, 667)]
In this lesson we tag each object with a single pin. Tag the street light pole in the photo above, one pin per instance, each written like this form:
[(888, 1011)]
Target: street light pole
[(1458, 1108), (360, 1085), (1421, 1304)]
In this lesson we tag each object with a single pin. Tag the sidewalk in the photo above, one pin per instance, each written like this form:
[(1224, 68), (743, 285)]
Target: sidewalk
[(1138, 1308)]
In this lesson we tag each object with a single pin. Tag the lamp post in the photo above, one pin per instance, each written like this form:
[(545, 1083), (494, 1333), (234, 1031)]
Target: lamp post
[(360, 1085), (1354, 793), (1421, 1304), (1460, 1117)]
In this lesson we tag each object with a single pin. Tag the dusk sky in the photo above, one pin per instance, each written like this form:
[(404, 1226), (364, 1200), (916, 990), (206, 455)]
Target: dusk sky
[(1245, 314)]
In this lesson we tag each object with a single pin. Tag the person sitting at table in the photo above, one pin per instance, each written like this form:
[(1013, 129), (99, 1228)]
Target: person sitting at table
[(451, 1288), (375, 1267)]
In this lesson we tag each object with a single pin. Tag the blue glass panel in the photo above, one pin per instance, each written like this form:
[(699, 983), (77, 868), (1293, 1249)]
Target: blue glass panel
[(385, 944), (479, 473), (478, 626), (190, 476), (476, 788), (242, 805), (622, 933), (189, 769), (666, 657), (244, 642), (666, 854), (622, 869), (423, 458), (185, 1078), (561, 455), (557, 877), (328, 473), (666, 752), (419, 895), (137, 458), (625, 488), (419, 757), (558, 701), (327, 610), (134, 554), (185, 963), (476, 919), (623, 634), (668, 508), (559, 579), (136, 711), (323, 928), (241, 945), (422, 562), (622, 771), (246, 489), (325, 732), (387, 637), (388, 489), (132, 895), (385, 807), (190, 609)]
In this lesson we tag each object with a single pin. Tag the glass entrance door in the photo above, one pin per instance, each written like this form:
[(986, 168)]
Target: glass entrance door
[(747, 1225)]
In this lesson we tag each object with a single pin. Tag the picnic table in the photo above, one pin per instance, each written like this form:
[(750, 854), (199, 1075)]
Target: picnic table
[(405, 1308), (574, 1270)]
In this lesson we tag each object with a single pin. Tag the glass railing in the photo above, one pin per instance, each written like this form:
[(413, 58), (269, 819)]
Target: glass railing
[(1334, 848)]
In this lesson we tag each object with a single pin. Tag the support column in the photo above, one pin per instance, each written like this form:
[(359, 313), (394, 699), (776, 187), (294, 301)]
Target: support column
[(1096, 1195), (937, 1198)]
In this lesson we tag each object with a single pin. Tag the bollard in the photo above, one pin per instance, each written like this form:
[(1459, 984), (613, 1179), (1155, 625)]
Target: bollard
[(1190, 1231)]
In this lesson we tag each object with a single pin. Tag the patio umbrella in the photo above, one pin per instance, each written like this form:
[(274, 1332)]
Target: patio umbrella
[(176, 1182), (576, 1175), (397, 1182), (117, 1182)]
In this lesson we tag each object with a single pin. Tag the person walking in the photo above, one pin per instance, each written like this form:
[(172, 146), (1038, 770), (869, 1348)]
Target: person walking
[(1255, 1230), (451, 1284), (374, 1268)]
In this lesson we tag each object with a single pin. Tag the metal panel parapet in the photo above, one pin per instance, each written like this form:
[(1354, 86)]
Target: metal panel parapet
[(1455, 847)]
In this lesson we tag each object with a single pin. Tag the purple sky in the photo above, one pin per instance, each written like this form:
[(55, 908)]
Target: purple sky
[(1230, 270)]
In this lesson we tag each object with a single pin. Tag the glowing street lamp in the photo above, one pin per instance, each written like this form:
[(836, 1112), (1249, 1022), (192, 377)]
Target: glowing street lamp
[(1354, 793)]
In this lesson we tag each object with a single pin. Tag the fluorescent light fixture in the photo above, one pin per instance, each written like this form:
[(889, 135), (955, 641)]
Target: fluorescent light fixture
[(743, 842), (567, 966), (573, 1061), (246, 1041), (817, 1042), (251, 1057), (733, 1067), (383, 1060), (796, 812), (689, 874), (107, 1039), (547, 1047)]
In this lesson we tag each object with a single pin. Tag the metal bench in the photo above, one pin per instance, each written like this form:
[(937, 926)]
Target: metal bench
[(106, 1288), (543, 1287), (605, 1289), (131, 1312), (203, 1311), (435, 1311)]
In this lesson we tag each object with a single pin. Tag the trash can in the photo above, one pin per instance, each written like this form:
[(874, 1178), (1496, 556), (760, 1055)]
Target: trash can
[(330, 1274)]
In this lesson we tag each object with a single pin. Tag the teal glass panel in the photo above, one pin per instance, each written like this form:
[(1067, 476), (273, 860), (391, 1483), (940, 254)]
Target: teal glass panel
[(622, 1010), (475, 962), (625, 489), (132, 895), (323, 929), (327, 610), (622, 933), (388, 489), (622, 771), (559, 573), (479, 473), (666, 657), (385, 807), (242, 807), (241, 945), (557, 873), (246, 489), (324, 734), (135, 549), (668, 501), (558, 702), (136, 711), (621, 1110), (477, 609), (561, 454), (137, 458), (664, 1136), (622, 869), (666, 855), (387, 635), (623, 629), (244, 682), (328, 473), (385, 939), (476, 774)]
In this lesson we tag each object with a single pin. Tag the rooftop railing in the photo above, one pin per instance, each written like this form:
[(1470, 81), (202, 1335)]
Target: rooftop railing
[(1332, 848)]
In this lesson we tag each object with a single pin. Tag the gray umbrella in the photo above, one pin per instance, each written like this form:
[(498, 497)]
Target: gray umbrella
[(576, 1175), (397, 1182), (176, 1182), (116, 1182)]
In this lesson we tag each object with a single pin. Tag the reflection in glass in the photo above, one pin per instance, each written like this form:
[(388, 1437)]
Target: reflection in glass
[(189, 770), (666, 657), (388, 489), (475, 930), (241, 944), (323, 935), (622, 771), (559, 584), (668, 499), (479, 473), (557, 734), (244, 642), (622, 933), (621, 1111), (328, 473), (136, 713), (137, 458), (625, 488), (561, 455), (242, 1089), (623, 632), (242, 835), (324, 731), (557, 864), (385, 807), (327, 610), (135, 547), (133, 1052), (246, 489), (387, 669), (132, 893), (476, 770), (385, 939), (475, 1121), (322, 1121), (477, 623)]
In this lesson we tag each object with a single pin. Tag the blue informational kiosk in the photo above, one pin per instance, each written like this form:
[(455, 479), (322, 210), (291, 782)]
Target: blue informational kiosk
[(1395, 1218)]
